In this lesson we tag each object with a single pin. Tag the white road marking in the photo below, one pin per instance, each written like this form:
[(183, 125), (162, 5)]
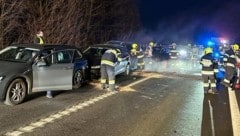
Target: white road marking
[(235, 112), (147, 97), (211, 116), (42, 122), (128, 87), (50, 119)]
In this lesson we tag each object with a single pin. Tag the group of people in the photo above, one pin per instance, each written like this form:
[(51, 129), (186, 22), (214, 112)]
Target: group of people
[(210, 68), (208, 62)]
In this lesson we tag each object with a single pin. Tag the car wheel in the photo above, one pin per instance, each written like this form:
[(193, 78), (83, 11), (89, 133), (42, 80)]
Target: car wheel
[(127, 72), (16, 92), (77, 79)]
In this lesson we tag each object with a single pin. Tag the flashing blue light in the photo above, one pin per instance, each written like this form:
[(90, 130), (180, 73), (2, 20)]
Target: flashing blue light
[(216, 55), (210, 43), (220, 74)]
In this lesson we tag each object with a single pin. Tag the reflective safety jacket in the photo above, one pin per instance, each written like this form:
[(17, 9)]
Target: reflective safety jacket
[(173, 54), (133, 52), (110, 57), (39, 40), (230, 58), (140, 55), (149, 51), (209, 66)]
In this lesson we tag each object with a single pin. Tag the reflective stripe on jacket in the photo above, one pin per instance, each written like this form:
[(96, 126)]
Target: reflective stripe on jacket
[(109, 58), (230, 58), (208, 64)]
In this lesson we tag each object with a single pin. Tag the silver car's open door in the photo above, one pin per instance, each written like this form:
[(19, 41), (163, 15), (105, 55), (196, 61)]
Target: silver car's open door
[(56, 76)]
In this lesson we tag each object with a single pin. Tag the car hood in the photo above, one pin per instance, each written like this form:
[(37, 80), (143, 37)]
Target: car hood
[(11, 67)]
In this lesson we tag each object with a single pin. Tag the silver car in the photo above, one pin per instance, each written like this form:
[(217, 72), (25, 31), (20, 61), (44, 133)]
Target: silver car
[(29, 68)]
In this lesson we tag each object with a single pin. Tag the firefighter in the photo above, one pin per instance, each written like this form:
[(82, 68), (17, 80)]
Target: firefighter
[(133, 54), (173, 51), (230, 65), (209, 67), (148, 52), (140, 57), (39, 40), (108, 60)]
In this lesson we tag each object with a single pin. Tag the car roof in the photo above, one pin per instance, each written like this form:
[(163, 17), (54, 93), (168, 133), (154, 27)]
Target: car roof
[(45, 46), (107, 46), (114, 42)]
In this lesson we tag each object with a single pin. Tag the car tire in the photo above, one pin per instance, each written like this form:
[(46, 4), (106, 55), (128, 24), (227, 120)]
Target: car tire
[(16, 92), (127, 72), (78, 79)]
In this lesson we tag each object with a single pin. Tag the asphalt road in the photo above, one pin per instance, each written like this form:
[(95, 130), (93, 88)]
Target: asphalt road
[(150, 103)]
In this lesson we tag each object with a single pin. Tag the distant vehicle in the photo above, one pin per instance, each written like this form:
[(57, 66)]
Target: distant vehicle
[(94, 54), (29, 68)]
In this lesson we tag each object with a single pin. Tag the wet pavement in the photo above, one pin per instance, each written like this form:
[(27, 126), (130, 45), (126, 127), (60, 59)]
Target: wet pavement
[(158, 102)]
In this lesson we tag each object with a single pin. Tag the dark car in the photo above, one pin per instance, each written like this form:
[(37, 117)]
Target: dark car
[(127, 45), (94, 54), (29, 68), (160, 53)]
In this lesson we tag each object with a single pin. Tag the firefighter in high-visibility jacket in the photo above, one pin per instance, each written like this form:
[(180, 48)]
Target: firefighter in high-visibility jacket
[(173, 52), (140, 58), (230, 65), (134, 58), (108, 60), (209, 68)]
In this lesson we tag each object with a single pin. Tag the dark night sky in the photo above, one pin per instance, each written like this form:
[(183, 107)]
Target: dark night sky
[(190, 20)]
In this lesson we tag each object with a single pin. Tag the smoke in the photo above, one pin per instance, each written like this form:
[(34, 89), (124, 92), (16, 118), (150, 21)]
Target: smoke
[(176, 66), (178, 30), (216, 18), (227, 21)]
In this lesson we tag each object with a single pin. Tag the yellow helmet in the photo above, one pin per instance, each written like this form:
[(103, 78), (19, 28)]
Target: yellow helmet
[(134, 46), (235, 47), (208, 50), (151, 43)]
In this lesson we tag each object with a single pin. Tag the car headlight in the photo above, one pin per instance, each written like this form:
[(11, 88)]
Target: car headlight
[(1, 78), (183, 52)]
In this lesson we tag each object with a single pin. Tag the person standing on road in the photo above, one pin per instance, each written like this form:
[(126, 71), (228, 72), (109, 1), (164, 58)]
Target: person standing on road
[(133, 54), (140, 58), (39, 40), (209, 67), (108, 60), (149, 52), (173, 51), (230, 60)]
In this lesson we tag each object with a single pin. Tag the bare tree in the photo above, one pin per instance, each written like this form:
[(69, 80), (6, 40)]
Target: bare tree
[(76, 22)]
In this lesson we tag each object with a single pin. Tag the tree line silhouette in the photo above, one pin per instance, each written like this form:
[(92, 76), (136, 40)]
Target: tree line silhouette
[(74, 22)]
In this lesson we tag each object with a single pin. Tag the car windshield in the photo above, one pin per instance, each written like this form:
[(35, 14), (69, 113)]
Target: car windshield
[(18, 54), (96, 52)]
